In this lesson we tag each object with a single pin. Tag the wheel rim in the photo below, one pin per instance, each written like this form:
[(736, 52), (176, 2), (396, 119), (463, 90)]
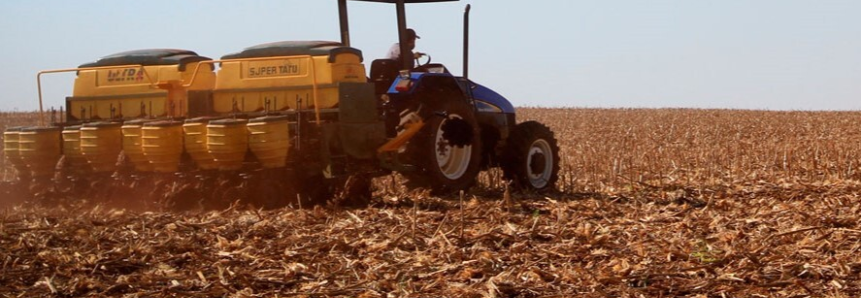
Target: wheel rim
[(539, 163), (453, 161)]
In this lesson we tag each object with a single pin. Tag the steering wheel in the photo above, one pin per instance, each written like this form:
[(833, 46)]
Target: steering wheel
[(418, 56)]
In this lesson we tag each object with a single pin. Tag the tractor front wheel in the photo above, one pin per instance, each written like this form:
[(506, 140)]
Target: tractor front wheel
[(531, 159)]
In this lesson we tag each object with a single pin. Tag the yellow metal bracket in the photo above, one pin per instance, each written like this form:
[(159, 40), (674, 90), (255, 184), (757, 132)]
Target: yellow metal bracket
[(399, 141), (174, 90)]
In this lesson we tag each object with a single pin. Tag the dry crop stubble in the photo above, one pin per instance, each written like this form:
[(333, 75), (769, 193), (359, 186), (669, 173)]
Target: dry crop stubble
[(625, 149), (666, 202), (630, 149)]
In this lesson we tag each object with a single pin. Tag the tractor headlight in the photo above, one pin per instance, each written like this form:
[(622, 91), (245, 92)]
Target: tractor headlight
[(403, 85)]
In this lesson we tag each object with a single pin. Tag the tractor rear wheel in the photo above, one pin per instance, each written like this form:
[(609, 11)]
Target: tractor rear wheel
[(447, 150), (531, 158)]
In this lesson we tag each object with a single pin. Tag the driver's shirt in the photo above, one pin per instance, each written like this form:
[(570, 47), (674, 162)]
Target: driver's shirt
[(394, 51), (395, 54)]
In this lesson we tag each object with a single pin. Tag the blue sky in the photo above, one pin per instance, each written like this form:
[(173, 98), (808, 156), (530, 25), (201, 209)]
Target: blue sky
[(742, 54)]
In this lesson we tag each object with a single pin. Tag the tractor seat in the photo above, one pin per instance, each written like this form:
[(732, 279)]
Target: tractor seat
[(383, 74)]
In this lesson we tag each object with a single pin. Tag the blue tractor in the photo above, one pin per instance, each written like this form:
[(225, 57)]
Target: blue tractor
[(444, 129)]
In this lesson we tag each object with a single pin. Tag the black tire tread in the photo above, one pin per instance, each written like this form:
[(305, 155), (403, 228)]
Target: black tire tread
[(516, 149)]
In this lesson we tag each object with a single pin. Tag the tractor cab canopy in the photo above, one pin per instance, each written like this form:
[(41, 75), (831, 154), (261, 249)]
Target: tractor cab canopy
[(402, 21)]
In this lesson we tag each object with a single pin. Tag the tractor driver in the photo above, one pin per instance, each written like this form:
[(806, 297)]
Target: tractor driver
[(395, 50)]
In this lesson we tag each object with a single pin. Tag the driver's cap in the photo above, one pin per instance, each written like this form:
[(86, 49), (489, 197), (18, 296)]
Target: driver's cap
[(412, 34)]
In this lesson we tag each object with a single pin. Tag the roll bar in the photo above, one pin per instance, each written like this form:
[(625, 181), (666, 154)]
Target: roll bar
[(402, 22)]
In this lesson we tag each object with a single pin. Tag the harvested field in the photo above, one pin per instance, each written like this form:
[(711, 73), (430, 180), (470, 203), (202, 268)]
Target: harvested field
[(652, 203)]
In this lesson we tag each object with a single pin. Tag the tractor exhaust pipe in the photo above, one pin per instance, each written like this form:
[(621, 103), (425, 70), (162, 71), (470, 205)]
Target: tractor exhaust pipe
[(466, 42)]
